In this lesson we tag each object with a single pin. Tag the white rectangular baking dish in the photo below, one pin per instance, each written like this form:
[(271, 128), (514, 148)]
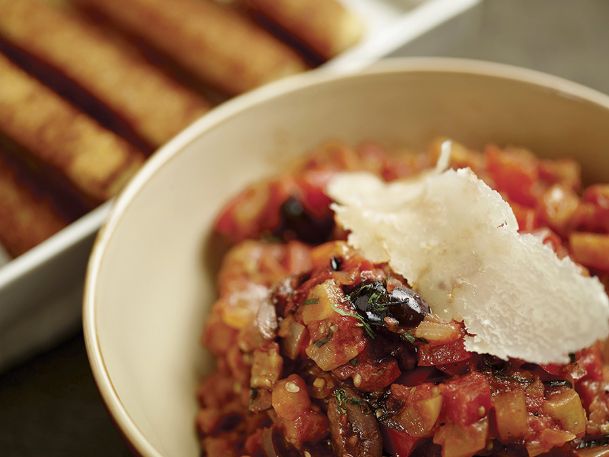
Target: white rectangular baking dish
[(40, 292)]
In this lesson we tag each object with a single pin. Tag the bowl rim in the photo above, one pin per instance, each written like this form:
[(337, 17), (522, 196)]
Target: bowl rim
[(109, 393)]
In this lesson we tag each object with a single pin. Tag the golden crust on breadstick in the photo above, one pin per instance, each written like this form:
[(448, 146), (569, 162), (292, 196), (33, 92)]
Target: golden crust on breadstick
[(139, 95), (325, 26), (93, 160), (216, 43)]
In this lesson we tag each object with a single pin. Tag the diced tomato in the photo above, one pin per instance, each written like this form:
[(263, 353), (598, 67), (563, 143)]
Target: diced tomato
[(372, 376), (526, 217), (558, 205), (466, 399), (593, 212), (400, 444), (311, 426), (588, 391), (590, 359), (566, 172), (514, 173), (254, 209), (590, 217), (416, 376), (553, 368), (455, 369), (403, 393), (444, 354), (279, 191), (598, 194), (590, 249), (312, 184), (297, 258), (239, 216), (553, 240)]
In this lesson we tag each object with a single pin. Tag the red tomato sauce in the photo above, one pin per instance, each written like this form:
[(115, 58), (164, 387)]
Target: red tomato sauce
[(320, 352)]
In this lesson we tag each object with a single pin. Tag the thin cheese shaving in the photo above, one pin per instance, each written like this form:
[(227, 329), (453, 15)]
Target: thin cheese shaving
[(457, 243)]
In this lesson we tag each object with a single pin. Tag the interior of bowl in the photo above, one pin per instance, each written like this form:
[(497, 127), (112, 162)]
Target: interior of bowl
[(151, 277)]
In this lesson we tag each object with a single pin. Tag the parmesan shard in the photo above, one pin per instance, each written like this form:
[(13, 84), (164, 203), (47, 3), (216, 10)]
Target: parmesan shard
[(457, 243)]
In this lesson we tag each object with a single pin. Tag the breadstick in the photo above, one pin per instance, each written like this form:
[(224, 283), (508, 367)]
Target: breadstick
[(92, 160), (215, 43), (92, 69), (323, 25), (28, 215)]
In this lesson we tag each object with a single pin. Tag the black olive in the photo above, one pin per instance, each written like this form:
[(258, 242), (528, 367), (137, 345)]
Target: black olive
[(353, 427), (374, 302), (493, 364), (407, 307), (297, 223)]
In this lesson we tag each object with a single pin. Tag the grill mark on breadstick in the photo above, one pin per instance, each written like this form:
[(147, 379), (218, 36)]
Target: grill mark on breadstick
[(71, 203), (216, 43), (28, 213), (92, 159), (162, 61), (310, 57), (108, 80), (76, 95), (325, 26)]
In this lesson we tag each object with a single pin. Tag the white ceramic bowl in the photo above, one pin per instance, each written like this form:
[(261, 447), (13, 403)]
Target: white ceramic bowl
[(150, 279)]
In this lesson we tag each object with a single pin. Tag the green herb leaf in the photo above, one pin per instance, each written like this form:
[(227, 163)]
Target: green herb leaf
[(341, 400), (320, 342), (311, 301), (355, 401), (377, 298), (367, 328), (410, 338), (362, 321)]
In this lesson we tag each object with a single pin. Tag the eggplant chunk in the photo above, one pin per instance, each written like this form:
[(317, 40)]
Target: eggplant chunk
[(354, 430), (273, 444)]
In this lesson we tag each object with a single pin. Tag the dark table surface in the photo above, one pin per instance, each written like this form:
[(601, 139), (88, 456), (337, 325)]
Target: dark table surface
[(50, 407)]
